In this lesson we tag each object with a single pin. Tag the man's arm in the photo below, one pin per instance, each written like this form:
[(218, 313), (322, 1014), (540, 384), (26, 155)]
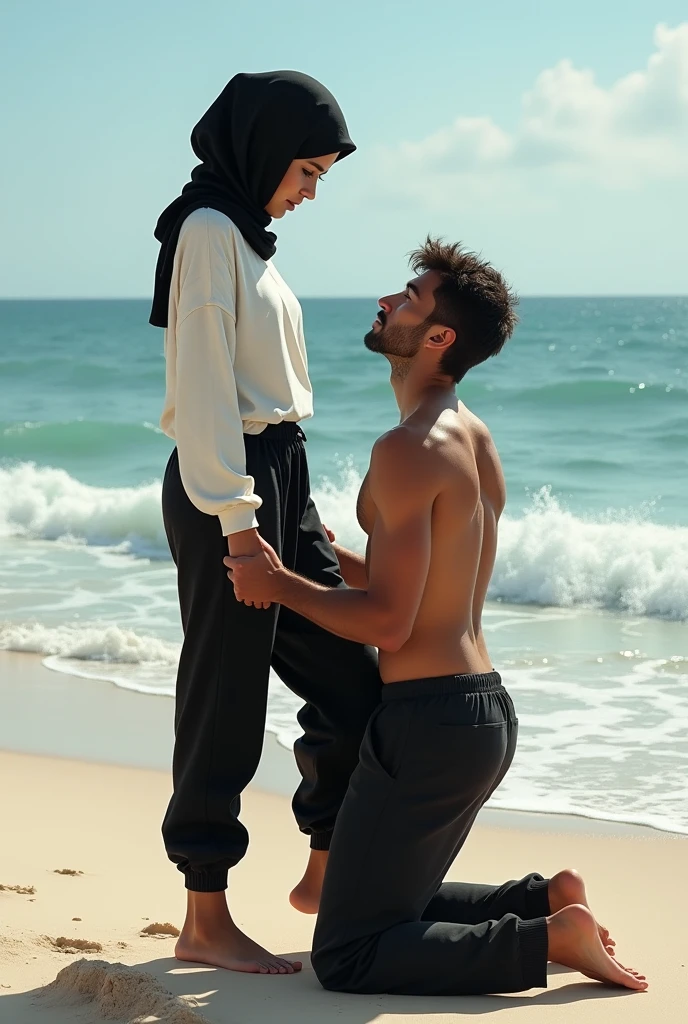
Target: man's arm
[(353, 567), (383, 614)]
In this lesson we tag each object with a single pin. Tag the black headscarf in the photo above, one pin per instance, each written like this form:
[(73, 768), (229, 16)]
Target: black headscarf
[(246, 141)]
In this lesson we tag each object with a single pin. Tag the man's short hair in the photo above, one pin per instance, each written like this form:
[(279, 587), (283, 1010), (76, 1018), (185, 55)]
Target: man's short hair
[(473, 299)]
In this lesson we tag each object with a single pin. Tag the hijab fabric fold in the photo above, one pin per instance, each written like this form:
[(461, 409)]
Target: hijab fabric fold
[(246, 141)]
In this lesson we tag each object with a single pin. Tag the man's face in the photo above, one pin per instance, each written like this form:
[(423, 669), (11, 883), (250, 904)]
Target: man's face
[(404, 319)]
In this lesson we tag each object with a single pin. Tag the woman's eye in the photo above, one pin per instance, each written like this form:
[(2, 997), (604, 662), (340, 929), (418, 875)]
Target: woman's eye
[(309, 174)]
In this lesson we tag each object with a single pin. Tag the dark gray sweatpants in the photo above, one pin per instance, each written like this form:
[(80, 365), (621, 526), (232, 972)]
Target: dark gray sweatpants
[(433, 752)]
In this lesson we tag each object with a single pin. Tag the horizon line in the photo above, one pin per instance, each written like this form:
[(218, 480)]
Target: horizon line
[(366, 298)]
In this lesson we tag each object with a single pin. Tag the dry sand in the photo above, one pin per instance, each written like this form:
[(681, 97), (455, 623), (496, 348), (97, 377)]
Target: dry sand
[(103, 822), (84, 881)]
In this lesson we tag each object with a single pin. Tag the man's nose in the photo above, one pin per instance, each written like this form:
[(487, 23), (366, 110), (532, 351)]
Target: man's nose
[(385, 304)]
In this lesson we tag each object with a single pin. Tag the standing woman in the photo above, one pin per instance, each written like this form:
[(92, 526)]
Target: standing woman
[(237, 388)]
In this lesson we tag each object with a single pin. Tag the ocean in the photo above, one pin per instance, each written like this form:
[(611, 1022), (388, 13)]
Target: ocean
[(586, 619)]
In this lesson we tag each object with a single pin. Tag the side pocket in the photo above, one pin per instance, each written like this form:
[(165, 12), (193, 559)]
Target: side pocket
[(512, 709), (384, 742), (469, 725)]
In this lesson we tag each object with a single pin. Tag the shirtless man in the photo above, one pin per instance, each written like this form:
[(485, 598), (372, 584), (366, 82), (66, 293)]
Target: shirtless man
[(444, 734)]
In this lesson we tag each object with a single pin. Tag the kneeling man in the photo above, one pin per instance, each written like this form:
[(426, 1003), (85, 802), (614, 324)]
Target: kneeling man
[(444, 734)]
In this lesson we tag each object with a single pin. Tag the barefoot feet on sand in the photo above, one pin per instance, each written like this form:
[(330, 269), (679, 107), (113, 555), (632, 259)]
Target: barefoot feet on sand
[(567, 888), (306, 896), (210, 936), (574, 941)]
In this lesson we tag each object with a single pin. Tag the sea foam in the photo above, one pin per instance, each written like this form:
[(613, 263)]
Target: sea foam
[(41, 503), (89, 642), (546, 556)]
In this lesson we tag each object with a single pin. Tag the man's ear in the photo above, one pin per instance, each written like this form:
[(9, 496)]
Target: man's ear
[(440, 339)]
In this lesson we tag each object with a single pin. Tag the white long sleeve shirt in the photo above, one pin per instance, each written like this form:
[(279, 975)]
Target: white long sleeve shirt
[(235, 361)]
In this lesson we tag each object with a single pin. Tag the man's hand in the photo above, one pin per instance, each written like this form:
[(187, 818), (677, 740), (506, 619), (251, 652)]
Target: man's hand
[(245, 543), (256, 578)]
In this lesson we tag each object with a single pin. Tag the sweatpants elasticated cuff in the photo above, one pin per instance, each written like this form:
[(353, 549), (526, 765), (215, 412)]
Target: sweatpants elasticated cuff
[(538, 897), (321, 840), (533, 948), (206, 881)]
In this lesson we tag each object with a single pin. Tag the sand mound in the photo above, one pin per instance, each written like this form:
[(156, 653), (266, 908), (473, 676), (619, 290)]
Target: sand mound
[(117, 992), (23, 890), (160, 929), (76, 945), (67, 871)]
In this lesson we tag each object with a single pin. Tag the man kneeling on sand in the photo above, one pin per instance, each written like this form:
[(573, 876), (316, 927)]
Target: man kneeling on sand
[(444, 734)]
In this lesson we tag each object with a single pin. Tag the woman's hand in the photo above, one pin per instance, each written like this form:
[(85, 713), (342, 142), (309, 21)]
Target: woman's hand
[(246, 543), (330, 536)]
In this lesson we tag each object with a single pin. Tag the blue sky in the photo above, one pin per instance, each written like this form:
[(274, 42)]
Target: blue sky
[(551, 137)]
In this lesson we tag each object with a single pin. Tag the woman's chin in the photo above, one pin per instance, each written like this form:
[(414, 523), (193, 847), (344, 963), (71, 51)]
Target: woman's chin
[(276, 215)]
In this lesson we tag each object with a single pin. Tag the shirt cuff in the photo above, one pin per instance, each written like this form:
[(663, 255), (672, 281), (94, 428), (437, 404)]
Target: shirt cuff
[(238, 518)]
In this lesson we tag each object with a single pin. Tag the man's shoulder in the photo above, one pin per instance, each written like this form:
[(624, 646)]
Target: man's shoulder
[(477, 430), (398, 447), (402, 462)]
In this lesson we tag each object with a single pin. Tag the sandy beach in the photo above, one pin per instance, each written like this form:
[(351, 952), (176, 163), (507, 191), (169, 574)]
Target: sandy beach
[(83, 873)]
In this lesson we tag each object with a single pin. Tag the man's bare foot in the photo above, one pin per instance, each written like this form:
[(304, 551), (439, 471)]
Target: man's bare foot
[(210, 936), (567, 888), (306, 896), (574, 941)]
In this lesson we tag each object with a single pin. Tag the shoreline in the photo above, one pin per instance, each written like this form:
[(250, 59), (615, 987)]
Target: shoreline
[(51, 714)]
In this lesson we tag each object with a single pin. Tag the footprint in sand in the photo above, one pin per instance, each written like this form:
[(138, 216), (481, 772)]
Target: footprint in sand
[(23, 890), (67, 871), (161, 930), (66, 945)]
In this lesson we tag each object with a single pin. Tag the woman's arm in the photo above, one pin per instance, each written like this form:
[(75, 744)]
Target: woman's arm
[(208, 425)]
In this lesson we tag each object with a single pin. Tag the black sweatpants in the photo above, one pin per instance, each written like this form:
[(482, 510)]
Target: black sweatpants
[(433, 752), (228, 648)]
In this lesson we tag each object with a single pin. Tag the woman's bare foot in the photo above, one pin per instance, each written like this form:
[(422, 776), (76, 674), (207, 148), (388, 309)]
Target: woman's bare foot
[(210, 936), (567, 888), (574, 941), (306, 896)]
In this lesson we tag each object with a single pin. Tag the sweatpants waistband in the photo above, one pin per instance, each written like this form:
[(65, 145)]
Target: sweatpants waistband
[(285, 432), (479, 682)]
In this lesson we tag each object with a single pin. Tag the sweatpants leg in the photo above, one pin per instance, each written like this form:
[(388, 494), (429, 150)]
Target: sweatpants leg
[(225, 662), (427, 765), (471, 903), (339, 682), (221, 697)]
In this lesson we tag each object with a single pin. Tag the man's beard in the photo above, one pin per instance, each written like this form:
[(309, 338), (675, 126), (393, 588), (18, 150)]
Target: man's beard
[(397, 343)]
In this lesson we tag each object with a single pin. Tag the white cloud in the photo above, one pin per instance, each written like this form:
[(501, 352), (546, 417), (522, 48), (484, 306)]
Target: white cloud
[(571, 129)]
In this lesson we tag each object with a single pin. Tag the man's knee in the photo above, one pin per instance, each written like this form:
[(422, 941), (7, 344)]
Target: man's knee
[(332, 971)]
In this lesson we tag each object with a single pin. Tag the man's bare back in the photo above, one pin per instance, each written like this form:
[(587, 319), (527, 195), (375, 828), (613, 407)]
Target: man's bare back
[(466, 494)]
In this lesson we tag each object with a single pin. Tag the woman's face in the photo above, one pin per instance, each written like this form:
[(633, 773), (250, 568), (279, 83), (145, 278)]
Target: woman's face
[(299, 183)]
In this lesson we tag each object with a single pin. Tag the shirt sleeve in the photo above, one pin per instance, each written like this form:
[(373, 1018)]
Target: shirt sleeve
[(208, 425)]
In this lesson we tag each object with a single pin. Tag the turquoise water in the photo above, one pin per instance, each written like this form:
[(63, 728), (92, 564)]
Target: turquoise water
[(589, 397), (588, 405)]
